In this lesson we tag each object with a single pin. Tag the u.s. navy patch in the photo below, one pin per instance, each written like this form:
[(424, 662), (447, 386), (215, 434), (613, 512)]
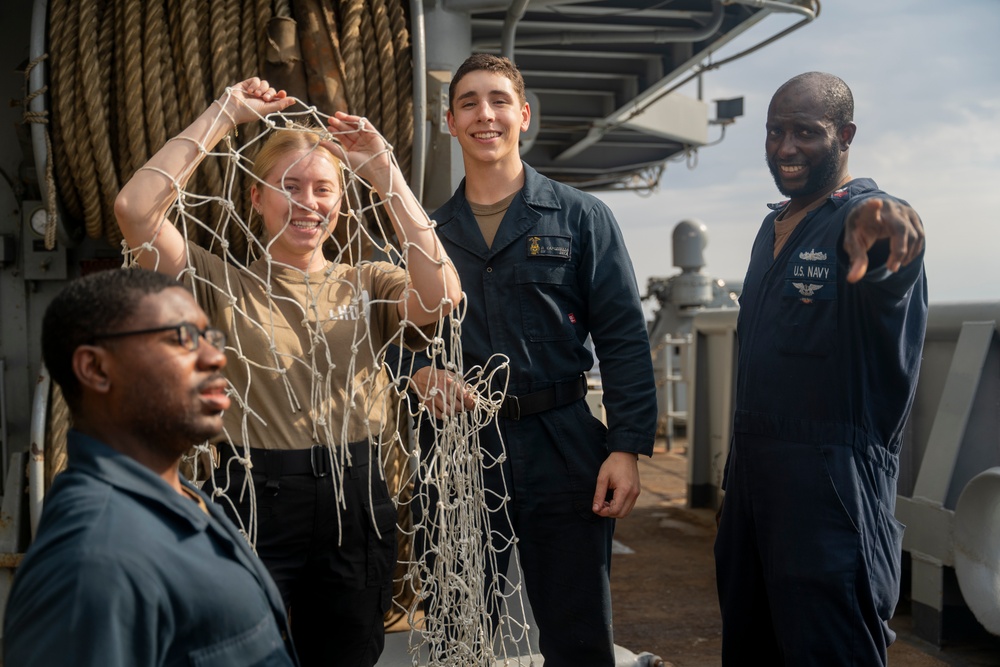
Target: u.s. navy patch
[(811, 275), (549, 246)]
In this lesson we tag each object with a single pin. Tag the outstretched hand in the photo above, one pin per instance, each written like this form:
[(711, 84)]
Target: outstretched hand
[(253, 98), (877, 219)]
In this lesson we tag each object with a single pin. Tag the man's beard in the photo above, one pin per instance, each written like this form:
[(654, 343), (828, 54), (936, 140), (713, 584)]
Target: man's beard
[(821, 176)]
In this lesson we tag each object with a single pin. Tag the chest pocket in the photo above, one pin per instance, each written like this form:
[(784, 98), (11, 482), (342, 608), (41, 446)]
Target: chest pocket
[(808, 322), (808, 329), (546, 294)]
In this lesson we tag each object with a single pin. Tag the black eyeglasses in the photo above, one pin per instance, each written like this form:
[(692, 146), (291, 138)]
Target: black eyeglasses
[(188, 335)]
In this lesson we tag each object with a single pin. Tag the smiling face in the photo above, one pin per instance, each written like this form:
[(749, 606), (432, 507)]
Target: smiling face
[(299, 202), (487, 116), (805, 150)]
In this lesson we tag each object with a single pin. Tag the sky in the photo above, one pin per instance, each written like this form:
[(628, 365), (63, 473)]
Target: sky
[(926, 81)]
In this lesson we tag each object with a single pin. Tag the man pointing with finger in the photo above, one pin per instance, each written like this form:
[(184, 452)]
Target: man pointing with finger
[(831, 328)]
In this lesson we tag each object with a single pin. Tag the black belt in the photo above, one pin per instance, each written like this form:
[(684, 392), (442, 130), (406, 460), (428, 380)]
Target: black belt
[(556, 396), (314, 461)]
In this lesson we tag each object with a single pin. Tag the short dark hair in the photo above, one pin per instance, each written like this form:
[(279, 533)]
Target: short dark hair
[(835, 94), (490, 63), (87, 307)]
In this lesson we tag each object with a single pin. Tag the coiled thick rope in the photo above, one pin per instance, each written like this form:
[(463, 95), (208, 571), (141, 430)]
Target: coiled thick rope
[(128, 74)]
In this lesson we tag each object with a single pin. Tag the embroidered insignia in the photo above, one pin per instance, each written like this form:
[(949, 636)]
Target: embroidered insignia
[(559, 247), (807, 290), (811, 275), (572, 318)]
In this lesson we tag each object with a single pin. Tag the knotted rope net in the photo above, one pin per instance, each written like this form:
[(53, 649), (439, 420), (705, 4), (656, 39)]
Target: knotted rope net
[(127, 74), (441, 583), (124, 75)]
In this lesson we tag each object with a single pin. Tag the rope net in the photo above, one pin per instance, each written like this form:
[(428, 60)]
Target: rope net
[(127, 74), (161, 64), (443, 515)]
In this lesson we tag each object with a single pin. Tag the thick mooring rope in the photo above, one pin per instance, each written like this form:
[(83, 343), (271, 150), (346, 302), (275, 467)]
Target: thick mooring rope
[(128, 74)]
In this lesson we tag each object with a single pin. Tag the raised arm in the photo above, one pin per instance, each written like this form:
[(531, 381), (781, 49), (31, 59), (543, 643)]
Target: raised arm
[(432, 276), (143, 202)]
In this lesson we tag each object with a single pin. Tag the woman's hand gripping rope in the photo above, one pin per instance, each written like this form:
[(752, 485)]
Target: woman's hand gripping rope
[(436, 286), (251, 100), (359, 144)]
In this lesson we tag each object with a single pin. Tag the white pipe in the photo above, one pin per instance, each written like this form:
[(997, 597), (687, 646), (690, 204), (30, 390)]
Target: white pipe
[(659, 36), (36, 452), (495, 5), (775, 5), (418, 162), (36, 80), (514, 14), (809, 15), (648, 98)]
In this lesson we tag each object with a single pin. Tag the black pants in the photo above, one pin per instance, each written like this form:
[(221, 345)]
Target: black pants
[(333, 568)]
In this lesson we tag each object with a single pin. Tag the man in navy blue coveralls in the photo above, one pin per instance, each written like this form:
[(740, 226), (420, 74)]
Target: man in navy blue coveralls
[(831, 329), (544, 266), (134, 566)]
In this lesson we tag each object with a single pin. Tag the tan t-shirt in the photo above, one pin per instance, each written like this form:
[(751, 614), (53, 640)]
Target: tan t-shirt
[(489, 217), (306, 348), (784, 226)]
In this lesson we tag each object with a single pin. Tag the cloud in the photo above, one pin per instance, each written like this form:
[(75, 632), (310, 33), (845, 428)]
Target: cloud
[(949, 173), (928, 112)]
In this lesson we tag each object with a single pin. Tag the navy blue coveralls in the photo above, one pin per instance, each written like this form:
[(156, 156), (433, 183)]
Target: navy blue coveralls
[(808, 550), (126, 572), (557, 272)]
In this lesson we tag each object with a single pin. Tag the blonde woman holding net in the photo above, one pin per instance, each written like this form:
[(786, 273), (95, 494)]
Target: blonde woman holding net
[(306, 338)]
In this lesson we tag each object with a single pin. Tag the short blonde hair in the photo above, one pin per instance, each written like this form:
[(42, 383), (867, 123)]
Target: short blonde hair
[(284, 141)]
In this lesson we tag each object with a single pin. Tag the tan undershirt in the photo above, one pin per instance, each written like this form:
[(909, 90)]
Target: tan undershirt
[(195, 497), (489, 217), (784, 226)]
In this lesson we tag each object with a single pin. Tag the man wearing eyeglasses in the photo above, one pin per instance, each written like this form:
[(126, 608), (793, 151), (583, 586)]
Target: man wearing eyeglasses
[(132, 565)]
